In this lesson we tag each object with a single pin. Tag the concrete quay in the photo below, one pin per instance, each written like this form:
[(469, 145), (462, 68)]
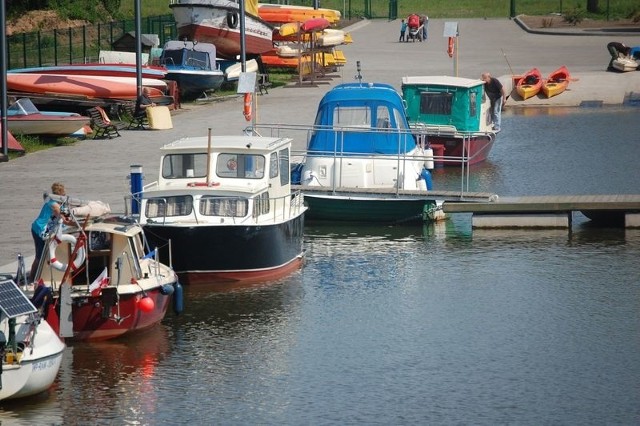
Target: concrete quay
[(98, 169)]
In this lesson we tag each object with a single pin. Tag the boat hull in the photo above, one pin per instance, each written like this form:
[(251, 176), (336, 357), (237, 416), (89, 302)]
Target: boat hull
[(209, 23), (194, 82), (218, 253), (467, 149), (38, 366), (44, 124), (90, 323), (530, 84), (367, 208)]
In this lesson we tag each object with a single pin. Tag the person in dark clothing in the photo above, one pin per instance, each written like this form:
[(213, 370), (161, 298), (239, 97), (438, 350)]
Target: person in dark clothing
[(497, 96), (616, 50), (144, 101)]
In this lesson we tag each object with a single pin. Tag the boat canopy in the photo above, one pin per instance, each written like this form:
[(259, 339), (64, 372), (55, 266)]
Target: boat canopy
[(444, 101), (189, 55), (361, 118)]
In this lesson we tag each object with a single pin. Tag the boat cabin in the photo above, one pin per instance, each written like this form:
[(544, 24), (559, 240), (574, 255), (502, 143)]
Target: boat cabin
[(188, 55), (444, 102), (242, 178), (349, 119)]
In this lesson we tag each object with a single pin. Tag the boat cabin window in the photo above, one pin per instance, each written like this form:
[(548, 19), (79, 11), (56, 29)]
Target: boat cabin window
[(359, 116), (240, 166), (273, 165), (285, 173), (262, 205), (181, 205), (472, 104), (99, 240), (223, 206), (434, 103), (181, 166)]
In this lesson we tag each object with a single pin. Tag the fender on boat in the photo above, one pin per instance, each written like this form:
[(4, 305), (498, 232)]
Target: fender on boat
[(178, 298)]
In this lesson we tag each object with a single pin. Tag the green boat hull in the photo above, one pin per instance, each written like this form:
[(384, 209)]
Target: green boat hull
[(368, 209)]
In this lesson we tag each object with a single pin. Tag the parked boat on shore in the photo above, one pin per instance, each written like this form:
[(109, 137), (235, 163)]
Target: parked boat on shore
[(217, 22), (454, 115), (31, 351), (23, 118), (222, 209), (96, 69), (557, 82), (529, 84), (98, 281), (193, 66)]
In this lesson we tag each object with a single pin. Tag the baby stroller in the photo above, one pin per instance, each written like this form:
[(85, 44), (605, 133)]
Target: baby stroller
[(415, 28)]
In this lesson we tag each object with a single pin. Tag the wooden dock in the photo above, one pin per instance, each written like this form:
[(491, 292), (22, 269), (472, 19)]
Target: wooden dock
[(550, 211)]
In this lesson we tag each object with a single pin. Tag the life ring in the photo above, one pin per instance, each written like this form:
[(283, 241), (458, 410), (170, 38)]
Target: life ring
[(232, 19), (80, 254), (247, 106), (450, 47)]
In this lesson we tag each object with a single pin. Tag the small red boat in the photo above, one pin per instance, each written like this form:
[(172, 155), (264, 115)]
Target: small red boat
[(96, 281), (314, 24)]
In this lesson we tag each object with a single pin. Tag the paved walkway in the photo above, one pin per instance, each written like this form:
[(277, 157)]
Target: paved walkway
[(98, 169)]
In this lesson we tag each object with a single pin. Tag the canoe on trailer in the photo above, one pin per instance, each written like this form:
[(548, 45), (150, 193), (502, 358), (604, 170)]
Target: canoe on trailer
[(530, 84), (557, 82)]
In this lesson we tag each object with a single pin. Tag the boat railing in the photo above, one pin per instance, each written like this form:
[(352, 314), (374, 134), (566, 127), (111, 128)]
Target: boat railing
[(412, 136)]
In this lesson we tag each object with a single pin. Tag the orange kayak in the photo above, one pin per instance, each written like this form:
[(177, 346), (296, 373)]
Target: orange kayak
[(557, 82)]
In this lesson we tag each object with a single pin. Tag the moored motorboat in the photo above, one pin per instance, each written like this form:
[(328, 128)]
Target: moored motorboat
[(222, 209), (30, 349), (362, 162), (454, 115), (529, 84), (193, 66), (557, 82), (25, 119), (99, 281), (217, 22)]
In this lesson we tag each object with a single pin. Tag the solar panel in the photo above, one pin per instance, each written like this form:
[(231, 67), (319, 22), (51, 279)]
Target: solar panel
[(13, 302)]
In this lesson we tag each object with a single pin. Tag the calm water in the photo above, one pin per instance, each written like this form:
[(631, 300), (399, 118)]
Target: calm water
[(405, 325)]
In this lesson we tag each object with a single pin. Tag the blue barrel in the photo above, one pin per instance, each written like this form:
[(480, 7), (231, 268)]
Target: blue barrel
[(136, 187)]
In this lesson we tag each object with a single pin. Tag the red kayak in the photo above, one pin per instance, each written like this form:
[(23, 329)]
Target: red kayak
[(314, 24)]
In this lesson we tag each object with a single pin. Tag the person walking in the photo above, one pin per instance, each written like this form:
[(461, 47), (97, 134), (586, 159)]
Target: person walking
[(497, 96), (425, 24), (50, 210), (403, 31)]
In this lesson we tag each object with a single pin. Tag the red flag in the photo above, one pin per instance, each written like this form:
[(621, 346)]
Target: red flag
[(99, 283)]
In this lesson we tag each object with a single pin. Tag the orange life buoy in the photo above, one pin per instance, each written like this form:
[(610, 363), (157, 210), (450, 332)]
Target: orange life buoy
[(450, 47), (247, 106)]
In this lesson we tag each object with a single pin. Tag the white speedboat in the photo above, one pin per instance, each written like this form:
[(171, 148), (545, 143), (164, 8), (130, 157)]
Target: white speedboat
[(31, 351)]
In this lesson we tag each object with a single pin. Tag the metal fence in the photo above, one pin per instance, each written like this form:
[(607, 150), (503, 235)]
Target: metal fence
[(79, 44)]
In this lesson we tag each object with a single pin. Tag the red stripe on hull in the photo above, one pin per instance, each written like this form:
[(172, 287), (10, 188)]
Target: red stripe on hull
[(241, 277)]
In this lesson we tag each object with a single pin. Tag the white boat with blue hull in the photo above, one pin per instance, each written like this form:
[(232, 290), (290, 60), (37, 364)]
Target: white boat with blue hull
[(193, 66), (222, 209)]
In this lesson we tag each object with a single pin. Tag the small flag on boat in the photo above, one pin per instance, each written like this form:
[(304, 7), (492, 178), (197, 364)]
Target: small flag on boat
[(99, 283)]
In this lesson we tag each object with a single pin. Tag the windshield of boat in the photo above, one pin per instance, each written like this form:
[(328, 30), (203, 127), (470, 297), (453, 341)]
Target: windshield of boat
[(22, 106), (180, 166)]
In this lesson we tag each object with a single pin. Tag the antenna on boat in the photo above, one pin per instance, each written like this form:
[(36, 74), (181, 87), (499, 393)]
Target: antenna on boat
[(359, 75)]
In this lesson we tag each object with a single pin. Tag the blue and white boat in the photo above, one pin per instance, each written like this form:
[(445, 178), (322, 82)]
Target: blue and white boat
[(193, 66), (362, 162)]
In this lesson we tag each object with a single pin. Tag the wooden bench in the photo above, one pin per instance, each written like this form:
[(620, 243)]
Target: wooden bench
[(127, 114), (101, 124)]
